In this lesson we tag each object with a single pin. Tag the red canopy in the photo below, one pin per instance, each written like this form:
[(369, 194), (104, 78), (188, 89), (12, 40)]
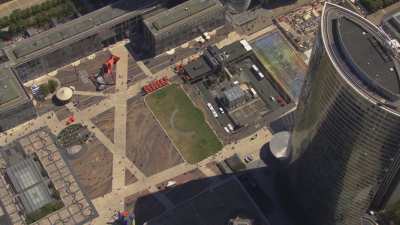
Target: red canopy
[(110, 63)]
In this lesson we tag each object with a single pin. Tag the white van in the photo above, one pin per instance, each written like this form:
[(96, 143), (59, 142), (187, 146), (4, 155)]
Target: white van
[(257, 72)]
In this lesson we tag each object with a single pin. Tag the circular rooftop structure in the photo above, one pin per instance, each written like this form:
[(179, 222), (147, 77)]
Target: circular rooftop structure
[(64, 94), (365, 55), (279, 145)]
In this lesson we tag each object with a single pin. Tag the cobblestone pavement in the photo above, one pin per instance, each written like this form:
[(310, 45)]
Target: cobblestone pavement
[(77, 208)]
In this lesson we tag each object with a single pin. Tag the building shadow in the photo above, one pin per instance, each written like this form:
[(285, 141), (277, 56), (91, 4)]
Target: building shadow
[(273, 4), (248, 194)]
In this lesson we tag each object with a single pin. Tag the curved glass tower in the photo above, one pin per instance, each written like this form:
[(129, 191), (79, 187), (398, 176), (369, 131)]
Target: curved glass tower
[(346, 140)]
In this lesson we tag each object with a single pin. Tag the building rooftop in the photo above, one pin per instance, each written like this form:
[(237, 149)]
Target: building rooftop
[(80, 26), (197, 68), (11, 91), (215, 205), (370, 63), (234, 93), (391, 25), (236, 50), (367, 54), (179, 13), (240, 221), (28, 182)]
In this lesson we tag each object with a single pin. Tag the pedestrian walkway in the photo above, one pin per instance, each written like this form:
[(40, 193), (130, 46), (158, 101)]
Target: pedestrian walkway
[(120, 115), (144, 68), (90, 93)]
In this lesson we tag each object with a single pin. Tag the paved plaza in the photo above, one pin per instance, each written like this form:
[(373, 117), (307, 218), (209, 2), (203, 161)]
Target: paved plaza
[(107, 116)]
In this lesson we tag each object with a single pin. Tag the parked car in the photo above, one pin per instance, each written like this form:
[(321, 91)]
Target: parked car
[(221, 110), (227, 130)]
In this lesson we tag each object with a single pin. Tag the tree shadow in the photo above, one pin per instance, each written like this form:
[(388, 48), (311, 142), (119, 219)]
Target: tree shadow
[(58, 102)]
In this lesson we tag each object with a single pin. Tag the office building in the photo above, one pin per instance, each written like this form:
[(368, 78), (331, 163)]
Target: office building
[(391, 25), (345, 142), (213, 59), (233, 97), (15, 105), (197, 70), (78, 38), (182, 23)]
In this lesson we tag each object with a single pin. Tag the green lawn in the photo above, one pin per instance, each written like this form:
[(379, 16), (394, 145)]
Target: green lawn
[(184, 123)]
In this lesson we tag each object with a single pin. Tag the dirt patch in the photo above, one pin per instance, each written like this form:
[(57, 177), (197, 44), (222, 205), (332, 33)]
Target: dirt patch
[(105, 122), (63, 113), (148, 147), (93, 169), (129, 177), (84, 101)]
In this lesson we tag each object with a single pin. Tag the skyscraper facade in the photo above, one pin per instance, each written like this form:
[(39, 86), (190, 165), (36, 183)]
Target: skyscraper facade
[(346, 140)]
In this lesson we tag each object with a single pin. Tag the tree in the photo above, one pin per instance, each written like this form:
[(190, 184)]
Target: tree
[(4, 21), (52, 85), (35, 9), (44, 88)]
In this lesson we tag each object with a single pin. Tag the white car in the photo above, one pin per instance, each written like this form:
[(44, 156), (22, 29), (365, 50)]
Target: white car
[(221, 110), (230, 127), (227, 130), (215, 114), (257, 71)]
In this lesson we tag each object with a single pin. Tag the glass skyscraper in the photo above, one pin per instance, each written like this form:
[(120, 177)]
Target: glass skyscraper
[(346, 140)]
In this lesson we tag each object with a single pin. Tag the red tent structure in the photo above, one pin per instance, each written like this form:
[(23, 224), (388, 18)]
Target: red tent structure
[(110, 64), (71, 119), (155, 85)]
